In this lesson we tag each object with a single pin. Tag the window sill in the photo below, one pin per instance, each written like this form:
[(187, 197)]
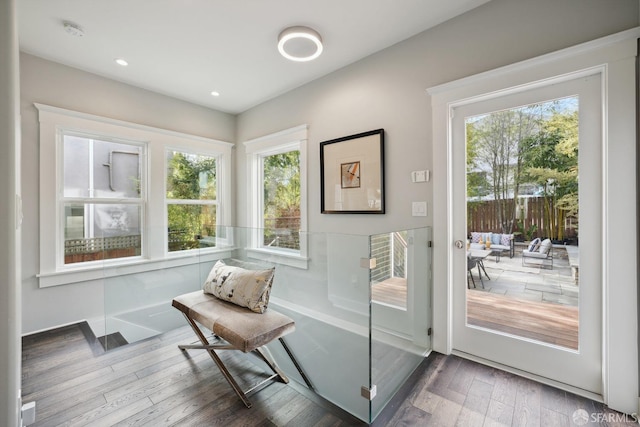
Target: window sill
[(291, 259), (106, 270)]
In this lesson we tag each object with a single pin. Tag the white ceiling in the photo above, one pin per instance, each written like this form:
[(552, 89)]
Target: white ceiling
[(188, 48)]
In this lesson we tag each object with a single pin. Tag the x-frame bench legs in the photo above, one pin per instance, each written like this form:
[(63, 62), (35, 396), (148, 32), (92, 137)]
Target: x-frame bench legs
[(242, 394)]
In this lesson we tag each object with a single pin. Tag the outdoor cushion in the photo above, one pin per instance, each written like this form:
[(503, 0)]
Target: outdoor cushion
[(486, 236), (534, 254), (544, 246), (496, 239), (475, 237), (505, 239)]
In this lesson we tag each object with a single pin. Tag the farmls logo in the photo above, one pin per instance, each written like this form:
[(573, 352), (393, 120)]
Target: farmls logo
[(581, 417)]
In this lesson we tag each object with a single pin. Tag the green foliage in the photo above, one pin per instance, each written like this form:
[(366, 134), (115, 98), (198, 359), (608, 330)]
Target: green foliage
[(551, 157), (282, 197), (190, 177)]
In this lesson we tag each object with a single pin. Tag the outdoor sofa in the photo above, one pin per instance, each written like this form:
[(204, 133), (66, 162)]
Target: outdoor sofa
[(498, 241)]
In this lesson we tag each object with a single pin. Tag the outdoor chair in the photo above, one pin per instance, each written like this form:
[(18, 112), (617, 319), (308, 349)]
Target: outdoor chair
[(539, 254), (471, 264)]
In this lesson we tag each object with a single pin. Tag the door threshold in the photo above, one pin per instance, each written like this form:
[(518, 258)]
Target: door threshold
[(543, 380)]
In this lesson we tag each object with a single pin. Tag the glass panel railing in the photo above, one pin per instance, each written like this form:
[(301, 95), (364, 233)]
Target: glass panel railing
[(343, 343), (400, 310), (329, 301)]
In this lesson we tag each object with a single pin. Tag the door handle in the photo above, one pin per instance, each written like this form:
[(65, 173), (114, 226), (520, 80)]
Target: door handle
[(459, 244)]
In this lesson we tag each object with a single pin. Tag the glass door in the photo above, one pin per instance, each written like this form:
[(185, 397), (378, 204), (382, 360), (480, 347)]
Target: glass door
[(527, 197)]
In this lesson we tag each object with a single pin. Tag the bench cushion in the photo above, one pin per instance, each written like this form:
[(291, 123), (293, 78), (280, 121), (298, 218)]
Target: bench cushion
[(239, 326)]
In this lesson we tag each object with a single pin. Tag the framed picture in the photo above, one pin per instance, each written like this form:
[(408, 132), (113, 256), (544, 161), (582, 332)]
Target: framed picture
[(352, 174)]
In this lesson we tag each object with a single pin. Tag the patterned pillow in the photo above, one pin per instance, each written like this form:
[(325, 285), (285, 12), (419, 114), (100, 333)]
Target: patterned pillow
[(534, 245), (506, 239), (496, 238), (246, 288), (475, 237)]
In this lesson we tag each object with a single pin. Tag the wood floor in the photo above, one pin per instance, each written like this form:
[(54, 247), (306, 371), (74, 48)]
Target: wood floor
[(542, 321), (451, 391), (550, 323), (152, 383), (392, 291)]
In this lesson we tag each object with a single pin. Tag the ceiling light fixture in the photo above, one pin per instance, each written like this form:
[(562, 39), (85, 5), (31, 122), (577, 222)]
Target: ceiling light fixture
[(215, 93), (73, 29), (299, 44), (122, 62)]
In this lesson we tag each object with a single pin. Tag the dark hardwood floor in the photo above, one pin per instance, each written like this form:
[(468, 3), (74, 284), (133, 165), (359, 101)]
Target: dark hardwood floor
[(152, 383)]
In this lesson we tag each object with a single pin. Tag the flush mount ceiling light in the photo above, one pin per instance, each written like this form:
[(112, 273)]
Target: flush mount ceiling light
[(122, 62), (299, 44), (73, 29), (215, 93)]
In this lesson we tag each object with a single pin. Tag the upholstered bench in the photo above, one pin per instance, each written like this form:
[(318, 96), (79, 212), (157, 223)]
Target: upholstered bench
[(236, 327)]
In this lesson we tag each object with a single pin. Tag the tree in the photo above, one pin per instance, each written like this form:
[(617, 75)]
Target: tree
[(551, 157), (282, 198), (190, 177), (494, 148)]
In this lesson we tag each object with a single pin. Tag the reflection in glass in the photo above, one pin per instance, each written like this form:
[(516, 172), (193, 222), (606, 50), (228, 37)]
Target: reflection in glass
[(101, 231)]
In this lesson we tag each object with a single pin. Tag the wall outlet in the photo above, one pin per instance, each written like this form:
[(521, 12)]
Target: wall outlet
[(28, 413)]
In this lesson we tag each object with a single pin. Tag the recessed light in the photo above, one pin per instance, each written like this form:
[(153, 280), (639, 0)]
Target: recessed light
[(215, 93), (122, 62), (299, 44), (73, 29)]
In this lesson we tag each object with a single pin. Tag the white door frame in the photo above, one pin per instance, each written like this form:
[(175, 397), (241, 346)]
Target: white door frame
[(615, 56)]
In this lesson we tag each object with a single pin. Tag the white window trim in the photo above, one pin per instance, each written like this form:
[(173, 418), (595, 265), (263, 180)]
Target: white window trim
[(52, 121), (280, 142)]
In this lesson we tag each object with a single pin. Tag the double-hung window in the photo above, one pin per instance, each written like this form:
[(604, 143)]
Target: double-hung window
[(121, 198), (191, 197), (277, 195), (101, 200)]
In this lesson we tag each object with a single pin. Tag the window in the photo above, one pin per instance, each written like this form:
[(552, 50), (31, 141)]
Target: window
[(281, 202), (120, 198), (101, 198), (191, 201), (277, 193)]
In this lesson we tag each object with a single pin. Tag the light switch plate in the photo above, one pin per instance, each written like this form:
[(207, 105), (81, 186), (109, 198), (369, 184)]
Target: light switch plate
[(420, 176), (419, 208)]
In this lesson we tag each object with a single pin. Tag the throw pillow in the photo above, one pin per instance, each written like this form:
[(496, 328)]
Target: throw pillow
[(505, 240), (485, 237), (535, 243), (246, 288), (545, 246), (475, 237), (496, 238)]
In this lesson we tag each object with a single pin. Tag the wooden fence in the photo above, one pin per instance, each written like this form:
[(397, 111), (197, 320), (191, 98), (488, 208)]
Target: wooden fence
[(483, 216)]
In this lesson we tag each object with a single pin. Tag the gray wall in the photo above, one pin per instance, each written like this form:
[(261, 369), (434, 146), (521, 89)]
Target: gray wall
[(50, 83), (387, 90), (384, 90)]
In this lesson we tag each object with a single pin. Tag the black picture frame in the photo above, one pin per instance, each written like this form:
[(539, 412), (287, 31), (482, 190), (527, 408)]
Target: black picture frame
[(352, 174)]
